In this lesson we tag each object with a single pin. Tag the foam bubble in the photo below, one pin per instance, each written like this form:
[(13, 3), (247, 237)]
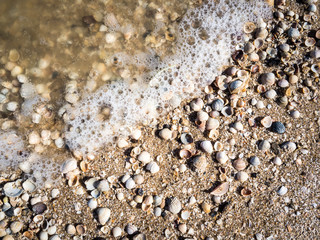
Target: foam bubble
[(206, 38)]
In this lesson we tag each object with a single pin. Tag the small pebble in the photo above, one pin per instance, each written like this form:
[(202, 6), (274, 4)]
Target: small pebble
[(282, 191), (278, 127)]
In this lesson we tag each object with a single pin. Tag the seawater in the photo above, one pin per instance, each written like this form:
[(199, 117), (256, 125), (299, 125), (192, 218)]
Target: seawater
[(139, 60)]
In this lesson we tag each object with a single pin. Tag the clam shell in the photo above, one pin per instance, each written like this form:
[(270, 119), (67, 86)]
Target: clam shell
[(184, 153), (202, 116), (221, 189), (206, 146), (239, 164), (186, 138), (131, 229), (174, 205), (91, 183), (103, 185), (81, 229), (165, 134), (199, 163), (309, 42), (222, 157), (315, 68), (197, 104), (103, 215), (217, 105), (227, 111), (268, 79), (212, 123), (213, 134), (249, 27), (69, 165), (245, 192), (84, 166), (153, 167), (10, 190), (144, 157), (116, 232), (266, 121), (130, 184), (38, 219), (242, 176), (29, 185)]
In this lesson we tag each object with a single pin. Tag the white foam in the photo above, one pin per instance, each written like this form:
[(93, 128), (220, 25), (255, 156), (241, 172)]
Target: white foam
[(175, 78)]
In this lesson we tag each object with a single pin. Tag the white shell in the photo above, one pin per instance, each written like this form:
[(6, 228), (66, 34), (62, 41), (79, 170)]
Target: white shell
[(165, 134), (103, 185), (131, 229), (92, 203), (69, 165), (103, 215), (29, 185), (10, 190), (242, 176), (185, 214), (222, 157), (144, 157), (153, 167), (91, 183), (289, 146), (199, 163), (197, 104), (130, 184), (206, 146), (221, 189), (202, 116), (116, 232), (282, 191), (157, 212), (264, 145), (71, 229), (174, 205), (212, 123), (277, 161), (186, 138), (139, 179), (16, 226), (136, 134), (122, 143), (266, 121)]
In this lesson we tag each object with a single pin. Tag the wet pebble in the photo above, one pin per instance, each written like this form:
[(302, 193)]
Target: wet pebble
[(39, 208), (278, 127)]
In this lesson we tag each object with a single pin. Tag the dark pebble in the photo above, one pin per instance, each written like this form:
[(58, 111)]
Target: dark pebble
[(39, 208), (278, 127)]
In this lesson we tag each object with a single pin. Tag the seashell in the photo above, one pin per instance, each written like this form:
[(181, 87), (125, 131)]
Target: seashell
[(81, 229), (315, 68), (68, 166), (16, 226), (248, 48), (206, 207), (267, 79), (71, 229), (212, 123), (152, 167), (270, 94), (29, 185), (221, 189), (92, 203), (130, 184), (261, 89), (185, 214), (139, 236), (242, 176), (289, 146), (218, 146), (217, 105), (84, 166), (38, 219), (221, 82), (264, 145), (222, 157), (122, 143), (199, 163), (91, 183), (174, 205), (258, 43), (206, 146), (236, 86), (186, 138), (202, 116), (239, 164), (309, 42), (28, 234), (144, 157), (282, 191), (39, 208), (227, 111), (249, 27), (245, 192), (261, 33), (131, 229), (231, 71), (73, 180), (103, 186), (136, 134), (116, 232), (10, 190), (95, 193), (184, 154), (213, 134), (165, 134), (138, 179), (197, 104), (277, 161), (254, 161), (182, 228), (266, 121), (103, 215)]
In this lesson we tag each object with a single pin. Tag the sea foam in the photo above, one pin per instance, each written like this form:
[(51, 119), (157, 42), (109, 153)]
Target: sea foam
[(206, 37)]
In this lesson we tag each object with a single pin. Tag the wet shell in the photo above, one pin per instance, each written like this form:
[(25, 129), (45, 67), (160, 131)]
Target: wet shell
[(199, 163), (174, 205), (10, 190), (69, 165), (103, 215), (212, 123), (221, 189), (249, 27), (186, 138), (153, 167), (184, 153), (239, 164), (206, 146)]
